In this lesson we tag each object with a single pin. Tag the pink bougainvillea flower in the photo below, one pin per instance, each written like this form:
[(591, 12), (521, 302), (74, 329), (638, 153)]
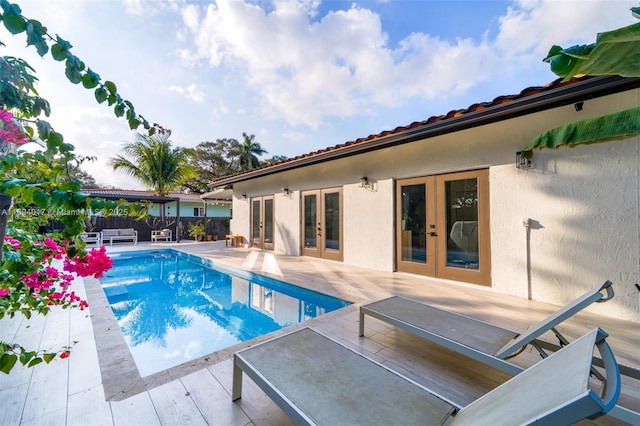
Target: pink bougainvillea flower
[(9, 131), (15, 244), (4, 292), (95, 263)]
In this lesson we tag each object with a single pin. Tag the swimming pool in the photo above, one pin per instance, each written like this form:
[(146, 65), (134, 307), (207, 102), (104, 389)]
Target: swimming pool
[(174, 307)]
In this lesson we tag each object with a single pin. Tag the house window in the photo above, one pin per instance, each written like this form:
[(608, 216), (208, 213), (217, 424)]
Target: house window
[(198, 212)]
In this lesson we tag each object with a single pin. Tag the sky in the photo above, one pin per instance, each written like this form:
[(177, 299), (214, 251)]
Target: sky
[(299, 75)]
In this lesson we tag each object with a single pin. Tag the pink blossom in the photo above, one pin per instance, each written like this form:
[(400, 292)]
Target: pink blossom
[(15, 244), (4, 292), (9, 131), (95, 263)]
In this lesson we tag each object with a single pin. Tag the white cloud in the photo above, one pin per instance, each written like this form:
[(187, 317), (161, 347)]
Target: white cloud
[(307, 70), (190, 92), (219, 110), (101, 135), (150, 7), (531, 27)]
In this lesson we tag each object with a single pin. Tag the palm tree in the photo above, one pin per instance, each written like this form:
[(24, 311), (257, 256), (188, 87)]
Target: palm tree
[(154, 162), (247, 151)]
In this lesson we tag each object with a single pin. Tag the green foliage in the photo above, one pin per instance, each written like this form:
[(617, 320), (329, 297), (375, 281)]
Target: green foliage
[(196, 230), (48, 208), (210, 160), (154, 162), (246, 153), (75, 69), (615, 52)]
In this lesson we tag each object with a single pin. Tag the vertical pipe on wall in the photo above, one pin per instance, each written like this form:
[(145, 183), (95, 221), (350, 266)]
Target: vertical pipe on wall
[(527, 225)]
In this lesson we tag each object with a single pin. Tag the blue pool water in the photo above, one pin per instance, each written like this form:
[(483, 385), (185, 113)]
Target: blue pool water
[(173, 307)]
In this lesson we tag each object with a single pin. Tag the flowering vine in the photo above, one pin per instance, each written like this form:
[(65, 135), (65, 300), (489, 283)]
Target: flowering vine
[(42, 252), (9, 131)]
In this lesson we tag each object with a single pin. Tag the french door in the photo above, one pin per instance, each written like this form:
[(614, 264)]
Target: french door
[(443, 226), (262, 223), (322, 223)]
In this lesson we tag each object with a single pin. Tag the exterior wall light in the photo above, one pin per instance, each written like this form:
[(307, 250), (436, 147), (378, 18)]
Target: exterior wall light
[(286, 192), (364, 182), (523, 159), (244, 196)]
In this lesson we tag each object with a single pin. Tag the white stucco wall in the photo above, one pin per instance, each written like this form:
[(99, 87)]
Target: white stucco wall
[(583, 202), (288, 223), (583, 206), (367, 235)]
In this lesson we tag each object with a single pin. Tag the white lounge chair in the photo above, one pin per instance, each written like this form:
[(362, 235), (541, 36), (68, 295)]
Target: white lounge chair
[(474, 338), (486, 342), (316, 380)]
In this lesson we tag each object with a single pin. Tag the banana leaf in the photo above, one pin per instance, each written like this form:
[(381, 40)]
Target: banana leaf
[(618, 125), (615, 52)]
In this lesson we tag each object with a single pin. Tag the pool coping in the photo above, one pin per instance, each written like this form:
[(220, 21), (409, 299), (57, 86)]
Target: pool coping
[(120, 376)]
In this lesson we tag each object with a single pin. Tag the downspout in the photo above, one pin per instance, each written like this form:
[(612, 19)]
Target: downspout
[(527, 225)]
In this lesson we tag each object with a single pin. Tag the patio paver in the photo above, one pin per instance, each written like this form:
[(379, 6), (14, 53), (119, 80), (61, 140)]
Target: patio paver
[(72, 392)]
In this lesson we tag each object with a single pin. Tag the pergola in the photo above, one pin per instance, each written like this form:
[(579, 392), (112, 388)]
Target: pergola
[(132, 198)]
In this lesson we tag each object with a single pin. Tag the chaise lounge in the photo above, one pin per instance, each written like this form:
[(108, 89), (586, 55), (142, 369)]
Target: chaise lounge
[(316, 380), (484, 342)]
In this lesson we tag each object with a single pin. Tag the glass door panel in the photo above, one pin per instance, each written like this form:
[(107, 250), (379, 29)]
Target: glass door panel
[(415, 230), (256, 222), (463, 218), (310, 214), (267, 221), (414, 222), (332, 221), (462, 223)]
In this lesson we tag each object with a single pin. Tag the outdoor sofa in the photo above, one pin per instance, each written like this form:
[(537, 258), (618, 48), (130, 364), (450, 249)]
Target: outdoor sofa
[(126, 234), (318, 381)]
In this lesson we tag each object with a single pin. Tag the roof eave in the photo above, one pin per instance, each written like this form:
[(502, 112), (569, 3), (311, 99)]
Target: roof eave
[(564, 95)]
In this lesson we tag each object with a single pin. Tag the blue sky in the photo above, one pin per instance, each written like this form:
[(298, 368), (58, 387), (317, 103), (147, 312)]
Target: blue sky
[(300, 75)]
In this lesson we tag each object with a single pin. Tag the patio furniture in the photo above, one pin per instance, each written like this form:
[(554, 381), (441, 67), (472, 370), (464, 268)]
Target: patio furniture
[(126, 234), (476, 339), (488, 343), (92, 238), (316, 380), (161, 235), (236, 240)]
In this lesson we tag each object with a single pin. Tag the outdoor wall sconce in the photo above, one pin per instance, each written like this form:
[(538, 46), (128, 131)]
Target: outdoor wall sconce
[(244, 196), (286, 192), (364, 182), (522, 162), (578, 106)]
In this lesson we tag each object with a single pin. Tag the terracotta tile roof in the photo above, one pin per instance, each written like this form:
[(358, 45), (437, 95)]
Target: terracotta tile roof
[(546, 93), (135, 193)]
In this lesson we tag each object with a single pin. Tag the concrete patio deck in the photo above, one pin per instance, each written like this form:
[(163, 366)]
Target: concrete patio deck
[(97, 385)]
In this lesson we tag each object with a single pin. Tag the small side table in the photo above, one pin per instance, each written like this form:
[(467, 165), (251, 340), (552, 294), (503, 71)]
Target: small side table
[(236, 240)]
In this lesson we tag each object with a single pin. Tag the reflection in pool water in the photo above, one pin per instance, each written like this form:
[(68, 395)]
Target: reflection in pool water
[(173, 307)]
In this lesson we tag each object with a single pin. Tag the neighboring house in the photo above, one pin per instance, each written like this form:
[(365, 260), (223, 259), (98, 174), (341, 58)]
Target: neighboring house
[(191, 205), (443, 198)]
